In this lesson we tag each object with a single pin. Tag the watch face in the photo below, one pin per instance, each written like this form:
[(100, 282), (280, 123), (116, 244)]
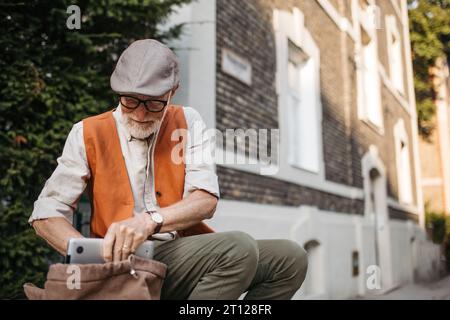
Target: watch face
[(157, 217)]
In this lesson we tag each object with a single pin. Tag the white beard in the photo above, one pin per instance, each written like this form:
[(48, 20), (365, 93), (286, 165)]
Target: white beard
[(140, 130)]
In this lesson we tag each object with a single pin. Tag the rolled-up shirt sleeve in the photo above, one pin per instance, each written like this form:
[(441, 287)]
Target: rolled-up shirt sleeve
[(62, 191), (200, 172)]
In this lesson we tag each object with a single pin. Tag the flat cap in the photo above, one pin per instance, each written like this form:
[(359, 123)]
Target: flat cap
[(146, 67)]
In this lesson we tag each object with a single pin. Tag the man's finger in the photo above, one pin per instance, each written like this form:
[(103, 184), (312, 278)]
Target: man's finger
[(117, 251), (127, 245), (108, 244), (118, 244)]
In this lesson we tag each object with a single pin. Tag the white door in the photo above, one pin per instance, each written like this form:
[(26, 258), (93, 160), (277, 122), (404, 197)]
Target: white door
[(379, 216)]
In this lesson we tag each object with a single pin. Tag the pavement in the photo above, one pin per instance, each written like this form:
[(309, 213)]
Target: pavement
[(439, 290)]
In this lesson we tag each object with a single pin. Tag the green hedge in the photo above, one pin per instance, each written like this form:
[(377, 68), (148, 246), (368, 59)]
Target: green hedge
[(429, 23), (52, 77), (438, 226)]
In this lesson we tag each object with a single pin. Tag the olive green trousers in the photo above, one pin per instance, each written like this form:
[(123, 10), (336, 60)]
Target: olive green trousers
[(224, 265)]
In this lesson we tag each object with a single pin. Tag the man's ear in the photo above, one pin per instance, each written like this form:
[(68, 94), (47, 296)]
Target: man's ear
[(174, 90)]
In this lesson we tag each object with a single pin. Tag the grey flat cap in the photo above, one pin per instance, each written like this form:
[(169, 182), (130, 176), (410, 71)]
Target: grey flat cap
[(146, 67)]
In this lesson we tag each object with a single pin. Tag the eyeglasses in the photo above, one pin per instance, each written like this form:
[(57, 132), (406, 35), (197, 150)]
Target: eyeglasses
[(151, 105)]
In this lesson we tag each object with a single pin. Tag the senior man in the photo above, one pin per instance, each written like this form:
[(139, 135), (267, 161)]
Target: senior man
[(124, 158)]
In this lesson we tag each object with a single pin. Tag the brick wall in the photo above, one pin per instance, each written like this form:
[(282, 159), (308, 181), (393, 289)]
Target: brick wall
[(246, 28), (243, 186)]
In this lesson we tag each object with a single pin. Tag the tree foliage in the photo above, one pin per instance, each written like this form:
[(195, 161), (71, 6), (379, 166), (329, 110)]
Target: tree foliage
[(429, 22), (52, 77)]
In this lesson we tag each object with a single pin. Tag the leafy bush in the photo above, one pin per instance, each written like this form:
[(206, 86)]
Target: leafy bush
[(447, 255), (437, 224), (429, 23)]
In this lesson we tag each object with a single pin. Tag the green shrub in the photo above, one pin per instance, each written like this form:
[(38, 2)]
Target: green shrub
[(429, 23), (447, 254), (437, 224)]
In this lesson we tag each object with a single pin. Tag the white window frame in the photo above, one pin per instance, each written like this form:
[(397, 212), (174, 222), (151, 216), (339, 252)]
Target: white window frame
[(367, 64), (403, 163), (303, 134), (395, 54)]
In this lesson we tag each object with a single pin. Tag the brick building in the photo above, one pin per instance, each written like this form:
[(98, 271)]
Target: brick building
[(335, 78), (435, 150)]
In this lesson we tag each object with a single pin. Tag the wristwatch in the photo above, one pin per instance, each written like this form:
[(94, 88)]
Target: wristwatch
[(157, 218)]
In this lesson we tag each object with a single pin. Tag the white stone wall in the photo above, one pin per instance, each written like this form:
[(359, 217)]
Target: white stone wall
[(334, 236)]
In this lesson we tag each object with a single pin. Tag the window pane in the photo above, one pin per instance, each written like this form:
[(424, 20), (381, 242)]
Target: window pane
[(294, 132), (371, 84), (308, 119), (303, 122), (397, 64), (405, 184)]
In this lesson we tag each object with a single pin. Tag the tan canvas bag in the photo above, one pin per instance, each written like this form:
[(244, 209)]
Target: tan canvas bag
[(134, 279)]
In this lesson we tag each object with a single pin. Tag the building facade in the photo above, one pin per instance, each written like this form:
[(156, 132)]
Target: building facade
[(435, 150), (333, 80)]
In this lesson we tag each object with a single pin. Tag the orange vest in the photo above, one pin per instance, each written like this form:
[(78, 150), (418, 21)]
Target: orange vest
[(109, 187)]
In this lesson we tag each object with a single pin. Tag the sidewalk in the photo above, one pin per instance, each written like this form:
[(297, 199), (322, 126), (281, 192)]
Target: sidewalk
[(439, 290)]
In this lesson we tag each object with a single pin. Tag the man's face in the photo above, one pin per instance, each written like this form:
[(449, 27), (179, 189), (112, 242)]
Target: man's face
[(140, 122)]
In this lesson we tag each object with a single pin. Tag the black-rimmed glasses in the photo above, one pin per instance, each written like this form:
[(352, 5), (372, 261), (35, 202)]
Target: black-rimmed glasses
[(152, 105)]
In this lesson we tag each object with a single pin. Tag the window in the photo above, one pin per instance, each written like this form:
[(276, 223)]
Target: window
[(369, 91), (303, 141), (298, 83), (394, 46), (403, 163)]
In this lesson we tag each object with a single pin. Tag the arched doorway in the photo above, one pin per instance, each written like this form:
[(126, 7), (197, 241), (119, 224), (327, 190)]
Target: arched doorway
[(376, 213), (374, 202), (314, 282)]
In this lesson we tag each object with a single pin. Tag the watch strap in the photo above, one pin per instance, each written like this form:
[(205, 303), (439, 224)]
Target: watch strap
[(158, 225)]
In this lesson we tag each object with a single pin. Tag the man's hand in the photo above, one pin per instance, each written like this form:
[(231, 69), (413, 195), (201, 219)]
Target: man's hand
[(124, 237)]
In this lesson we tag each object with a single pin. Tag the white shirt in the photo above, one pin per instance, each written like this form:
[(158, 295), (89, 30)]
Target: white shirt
[(62, 191)]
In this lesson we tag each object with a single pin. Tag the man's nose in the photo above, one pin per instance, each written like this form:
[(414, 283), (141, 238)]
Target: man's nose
[(141, 113)]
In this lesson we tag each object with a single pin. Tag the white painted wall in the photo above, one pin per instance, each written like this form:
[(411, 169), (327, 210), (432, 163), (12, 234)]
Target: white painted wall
[(339, 235), (196, 50)]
